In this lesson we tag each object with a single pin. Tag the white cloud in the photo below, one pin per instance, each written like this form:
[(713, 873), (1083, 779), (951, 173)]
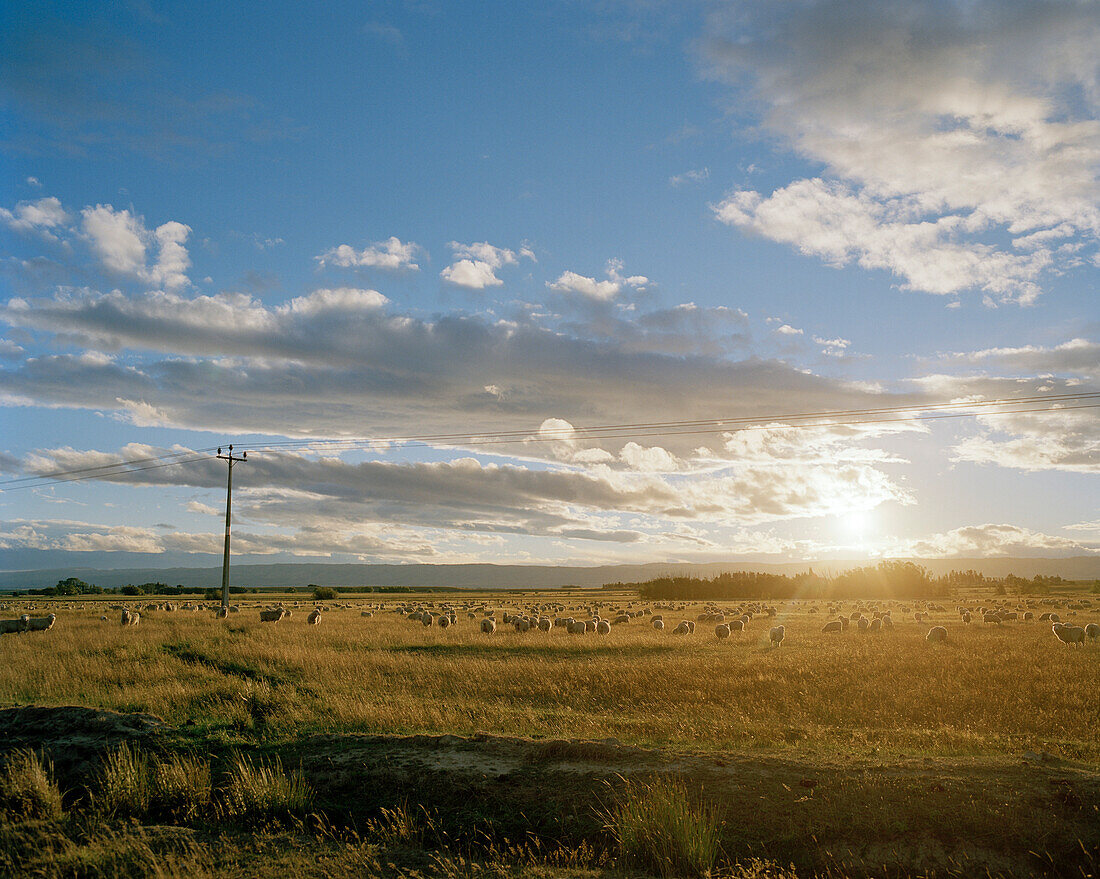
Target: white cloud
[(833, 347), (121, 242), (990, 540), (392, 254), (941, 129), (696, 175), (599, 291), (38, 216), (475, 265), (831, 221), (341, 300)]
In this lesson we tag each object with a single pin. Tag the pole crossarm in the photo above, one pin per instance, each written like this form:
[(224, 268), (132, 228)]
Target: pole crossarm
[(231, 459)]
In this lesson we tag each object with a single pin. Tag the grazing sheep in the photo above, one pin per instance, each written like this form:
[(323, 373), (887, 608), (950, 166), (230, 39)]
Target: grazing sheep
[(222, 613), (722, 631), (273, 616), (876, 625), (691, 627), (1092, 631), (40, 624), (1069, 634), (130, 618), (936, 635), (682, 628), (658, 624), (834, 626), (314, 617), (488, 626), (736, 627), (863, 624), (545, 624), (366, 613), (776, 635), (8, 627), (966, 617), (444, 621), (426, 619), (603, 627)]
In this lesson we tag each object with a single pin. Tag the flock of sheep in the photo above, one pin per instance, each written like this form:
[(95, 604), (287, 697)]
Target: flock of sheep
[(598, 617)]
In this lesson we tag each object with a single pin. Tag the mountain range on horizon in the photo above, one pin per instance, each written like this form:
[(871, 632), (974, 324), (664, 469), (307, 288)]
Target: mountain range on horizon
[(495, 576)]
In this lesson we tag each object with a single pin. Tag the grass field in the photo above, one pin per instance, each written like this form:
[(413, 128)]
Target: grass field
[(987, 699)]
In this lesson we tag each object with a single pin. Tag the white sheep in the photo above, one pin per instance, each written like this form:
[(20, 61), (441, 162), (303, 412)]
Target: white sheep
[(273, 615), (40, 624), (488, 625), (314, 618), (603, 627), (130, 617), (12, 626), (426, 618), (722, 631), (1092, 631), (1068, 634), (736, 626), (936, 635), (834, 626), (776, 635), (658, 624)]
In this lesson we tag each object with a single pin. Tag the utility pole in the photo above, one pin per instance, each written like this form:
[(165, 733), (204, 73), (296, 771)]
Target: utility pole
[(228, 515)]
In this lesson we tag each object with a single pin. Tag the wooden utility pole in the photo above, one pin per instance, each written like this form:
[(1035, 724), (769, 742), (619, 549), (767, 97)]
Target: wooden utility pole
[(228, 516)]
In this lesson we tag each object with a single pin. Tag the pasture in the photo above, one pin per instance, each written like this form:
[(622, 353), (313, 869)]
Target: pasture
[(876, 719)]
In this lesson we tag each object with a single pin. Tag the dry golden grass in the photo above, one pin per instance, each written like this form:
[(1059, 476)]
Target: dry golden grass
[(990, 690)]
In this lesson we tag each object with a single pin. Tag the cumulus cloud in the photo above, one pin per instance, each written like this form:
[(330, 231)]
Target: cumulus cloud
[(600, 291), (122, 242), (941, 128), (42, 215), (392, 254), (475, 265)]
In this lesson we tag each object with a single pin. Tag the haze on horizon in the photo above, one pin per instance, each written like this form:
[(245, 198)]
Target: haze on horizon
[(280, 229)]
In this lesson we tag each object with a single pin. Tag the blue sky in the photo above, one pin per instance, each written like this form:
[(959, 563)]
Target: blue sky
[(375, 220)]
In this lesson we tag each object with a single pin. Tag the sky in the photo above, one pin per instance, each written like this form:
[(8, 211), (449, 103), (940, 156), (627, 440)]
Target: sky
[(434, 264)]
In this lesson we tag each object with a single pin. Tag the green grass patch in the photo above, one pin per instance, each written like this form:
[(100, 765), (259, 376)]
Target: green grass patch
[(27, 787), (659, 827)]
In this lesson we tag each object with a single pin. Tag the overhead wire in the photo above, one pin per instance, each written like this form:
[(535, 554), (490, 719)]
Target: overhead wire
[(1053, 403)]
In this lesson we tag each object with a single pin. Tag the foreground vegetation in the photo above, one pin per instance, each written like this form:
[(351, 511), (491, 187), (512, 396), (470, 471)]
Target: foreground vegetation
[(846, 753)]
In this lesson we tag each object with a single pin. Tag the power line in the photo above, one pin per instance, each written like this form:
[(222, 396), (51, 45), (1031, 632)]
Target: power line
[(631, 430)]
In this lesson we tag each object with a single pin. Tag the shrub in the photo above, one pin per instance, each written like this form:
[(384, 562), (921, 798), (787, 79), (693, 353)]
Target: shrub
[(27, 788), (254, 792), (181, 787), (124, 783), (324, 593), (658, 828)]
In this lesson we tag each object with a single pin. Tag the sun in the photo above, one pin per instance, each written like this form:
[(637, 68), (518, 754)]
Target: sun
[(857, 524)]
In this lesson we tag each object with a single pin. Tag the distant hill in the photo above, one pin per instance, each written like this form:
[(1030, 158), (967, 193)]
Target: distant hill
[(477, 576)]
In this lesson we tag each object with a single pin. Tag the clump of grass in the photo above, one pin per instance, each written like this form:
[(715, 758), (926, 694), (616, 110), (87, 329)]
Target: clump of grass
[(27, 787), (659, 828), (254, 792), (124, 782), (181, 787)]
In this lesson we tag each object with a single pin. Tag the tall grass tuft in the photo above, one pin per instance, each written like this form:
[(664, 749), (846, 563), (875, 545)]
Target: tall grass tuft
[(657, 827), (27, 788), (254, 792), (181, 787), (124, 782)]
